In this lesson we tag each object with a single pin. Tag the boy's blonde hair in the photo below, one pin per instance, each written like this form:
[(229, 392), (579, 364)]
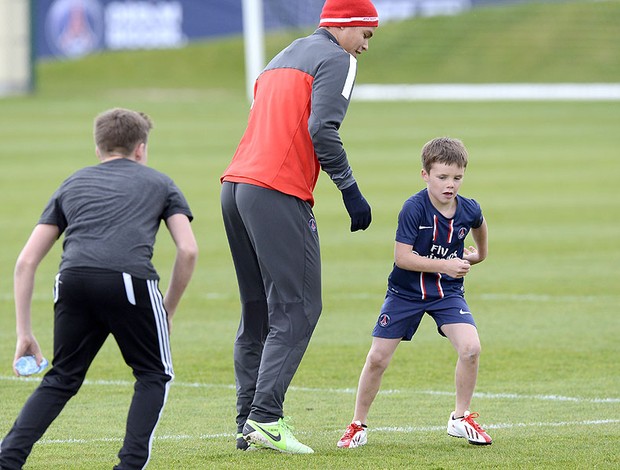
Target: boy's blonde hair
[(444, 150), (120, 130)]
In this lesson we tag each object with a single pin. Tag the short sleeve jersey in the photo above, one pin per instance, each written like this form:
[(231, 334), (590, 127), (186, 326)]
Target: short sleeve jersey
[(433, 236), (110, 214)]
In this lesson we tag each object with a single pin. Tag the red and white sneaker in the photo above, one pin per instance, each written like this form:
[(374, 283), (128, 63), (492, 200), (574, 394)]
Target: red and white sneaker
[(466, 427), (354, 436)]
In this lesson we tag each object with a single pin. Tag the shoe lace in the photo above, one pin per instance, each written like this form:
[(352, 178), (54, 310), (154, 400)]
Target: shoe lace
[(286, 423), (470, 419), (351, 430), (287, 428)]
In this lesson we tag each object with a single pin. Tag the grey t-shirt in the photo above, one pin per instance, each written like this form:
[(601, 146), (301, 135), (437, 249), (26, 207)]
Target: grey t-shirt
[(110, 214)]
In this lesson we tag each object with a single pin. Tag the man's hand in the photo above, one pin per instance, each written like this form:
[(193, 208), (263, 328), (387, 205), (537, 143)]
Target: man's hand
[(357, 207)]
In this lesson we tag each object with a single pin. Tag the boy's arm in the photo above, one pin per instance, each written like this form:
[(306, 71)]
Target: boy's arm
[(38, 245), (187, 253), (478, 253), (406, 258)]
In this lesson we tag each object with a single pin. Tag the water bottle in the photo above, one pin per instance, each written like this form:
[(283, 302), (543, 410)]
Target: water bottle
[(27, 365)]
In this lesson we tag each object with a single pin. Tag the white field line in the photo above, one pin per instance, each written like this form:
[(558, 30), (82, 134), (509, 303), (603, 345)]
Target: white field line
[(8, 297), (348, 391), (399, 429), (489, 92), (590, 422), (390, 429), (548, 298)]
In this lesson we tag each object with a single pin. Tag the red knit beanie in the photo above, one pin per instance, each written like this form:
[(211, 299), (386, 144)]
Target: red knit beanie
[(349, 13)]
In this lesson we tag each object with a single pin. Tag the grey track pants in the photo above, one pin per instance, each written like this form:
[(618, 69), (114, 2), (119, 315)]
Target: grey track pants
[(275, 249)]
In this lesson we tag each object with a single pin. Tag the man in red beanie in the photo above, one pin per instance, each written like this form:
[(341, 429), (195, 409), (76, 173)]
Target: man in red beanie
[(300, 101)]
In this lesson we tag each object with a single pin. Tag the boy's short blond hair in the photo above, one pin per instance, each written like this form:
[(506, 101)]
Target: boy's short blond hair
[(120, 130), (444, 150)]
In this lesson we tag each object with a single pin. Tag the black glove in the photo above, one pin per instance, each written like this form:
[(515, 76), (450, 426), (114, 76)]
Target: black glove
[(357, 207)]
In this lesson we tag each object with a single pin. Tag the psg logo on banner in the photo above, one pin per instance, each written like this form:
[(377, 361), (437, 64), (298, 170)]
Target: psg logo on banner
[(74, 28)]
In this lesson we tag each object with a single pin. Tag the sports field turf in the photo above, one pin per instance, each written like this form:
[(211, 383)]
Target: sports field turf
[(546, 300)]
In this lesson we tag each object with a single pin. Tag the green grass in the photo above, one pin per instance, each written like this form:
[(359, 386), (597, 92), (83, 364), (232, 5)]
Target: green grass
[(545, 300), (538, 42)]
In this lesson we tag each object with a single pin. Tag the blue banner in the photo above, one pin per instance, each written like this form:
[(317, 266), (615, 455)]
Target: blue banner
[(74, 28)]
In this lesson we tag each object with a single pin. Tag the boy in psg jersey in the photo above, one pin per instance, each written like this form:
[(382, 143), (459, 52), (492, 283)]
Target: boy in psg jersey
[(109, 214), (430, 262)]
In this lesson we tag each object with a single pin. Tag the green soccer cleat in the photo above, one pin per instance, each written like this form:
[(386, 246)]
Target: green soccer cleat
[(277, 435)]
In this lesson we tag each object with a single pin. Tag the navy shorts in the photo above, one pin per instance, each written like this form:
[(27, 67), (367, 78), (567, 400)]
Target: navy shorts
[(400, 318)]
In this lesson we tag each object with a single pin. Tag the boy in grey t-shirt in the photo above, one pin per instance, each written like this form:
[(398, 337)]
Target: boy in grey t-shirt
[(109, 214)]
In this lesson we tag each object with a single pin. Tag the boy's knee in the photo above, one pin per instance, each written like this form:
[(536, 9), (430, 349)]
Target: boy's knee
[(470, 352), (377, 360)]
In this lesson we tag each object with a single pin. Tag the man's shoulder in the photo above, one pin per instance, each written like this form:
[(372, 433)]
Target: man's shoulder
[(318, 48)]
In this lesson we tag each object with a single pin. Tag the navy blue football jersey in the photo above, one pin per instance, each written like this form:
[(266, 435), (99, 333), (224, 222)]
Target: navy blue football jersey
[(433, 236)]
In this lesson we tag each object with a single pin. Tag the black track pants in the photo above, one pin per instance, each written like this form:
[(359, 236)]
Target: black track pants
[(89, 305)]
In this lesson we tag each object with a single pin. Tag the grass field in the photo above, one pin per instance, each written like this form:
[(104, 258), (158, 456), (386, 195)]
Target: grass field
[(545, 300)]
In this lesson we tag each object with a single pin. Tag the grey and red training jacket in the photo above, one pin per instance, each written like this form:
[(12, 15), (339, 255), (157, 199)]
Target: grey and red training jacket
[(300, 100)]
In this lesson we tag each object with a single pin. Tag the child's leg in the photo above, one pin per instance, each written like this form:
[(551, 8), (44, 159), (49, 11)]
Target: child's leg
[(464, 338), (77, 339), (377, 360), (141, 332)]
